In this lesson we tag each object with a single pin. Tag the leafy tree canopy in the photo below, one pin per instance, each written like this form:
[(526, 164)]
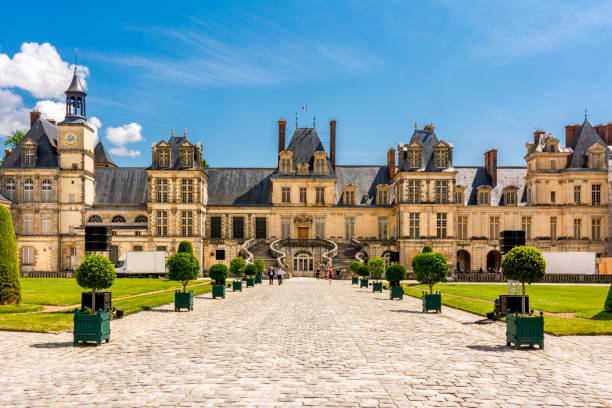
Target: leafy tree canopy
[(363, 270), (183, 267), (15, 138), (260, 265), (376, 266), (237, 266), (185, 247), (218, 272), (96, 272), (250, 270), (354, 267), (10, 288), (524, 264), (430, 268), (395, 273)]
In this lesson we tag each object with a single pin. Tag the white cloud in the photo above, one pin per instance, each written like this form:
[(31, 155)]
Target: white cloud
[(38, 69), (51, 109), (96, 124), (123, 151), (13, 115), (120, 136)]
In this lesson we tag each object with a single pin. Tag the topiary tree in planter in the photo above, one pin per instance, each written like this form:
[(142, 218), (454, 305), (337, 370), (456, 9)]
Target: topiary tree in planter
[(394, 274), (354, 267), (10, 288), (250, 270), (261, 267), (608, 302), (237, 266), (376, 266), (218, 272), (524, 264), (183, 267), (430, 268), (185, 247), (364, 272)]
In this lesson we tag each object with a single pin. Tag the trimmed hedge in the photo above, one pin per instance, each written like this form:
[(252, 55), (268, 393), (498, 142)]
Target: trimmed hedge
[(354, 267), (429, 267), (608, 304), (376, 266), (237, 266), (395, 273), (183, 267), (95, 272), (250, 270), (363, 270), (10, 288), (185, 247), (260, 264), (218, 272)]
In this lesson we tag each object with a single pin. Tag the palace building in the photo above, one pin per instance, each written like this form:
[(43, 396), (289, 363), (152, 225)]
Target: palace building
[(308, 212)]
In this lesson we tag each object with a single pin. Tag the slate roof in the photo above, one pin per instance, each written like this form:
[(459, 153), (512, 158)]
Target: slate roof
[(175, 143), (303, 144), (428, 140), (473, 177), (101, 155), (75, 84), (586, 137), (365, 178), (239, 186), (120, 185), (45, 135)]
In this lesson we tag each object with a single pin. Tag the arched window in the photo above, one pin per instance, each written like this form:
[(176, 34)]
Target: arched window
[(303, 261), (46, 191), (10, 189), (118, 218), (141, 219), (94, 218), (28, 191)]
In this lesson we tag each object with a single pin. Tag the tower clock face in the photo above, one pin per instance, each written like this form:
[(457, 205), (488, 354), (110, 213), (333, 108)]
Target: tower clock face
[(70, 138)]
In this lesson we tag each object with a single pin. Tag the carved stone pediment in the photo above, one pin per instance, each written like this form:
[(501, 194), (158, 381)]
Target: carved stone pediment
[(302, 221)]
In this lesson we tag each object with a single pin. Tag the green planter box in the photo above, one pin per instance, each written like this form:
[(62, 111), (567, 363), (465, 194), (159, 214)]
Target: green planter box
[(377, 287), (525, 329), (218, 291), (432, 302), (396, 292), (236, 286), (183, 300), (364, 283), (354, 281), (91, 327), (257, 279), (250, 282)]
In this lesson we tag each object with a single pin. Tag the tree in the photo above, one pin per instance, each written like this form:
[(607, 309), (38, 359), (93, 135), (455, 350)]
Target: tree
[(354, 267), (608, 303), (205, 164), (376, 266), (524, 264), (219, 273), (260, 264), (95, 272), (250, 270), (395, 273), (429, 267), (183, 267), (10, 288), (237, 266), (363, 271), (185, 247), (14, 139)]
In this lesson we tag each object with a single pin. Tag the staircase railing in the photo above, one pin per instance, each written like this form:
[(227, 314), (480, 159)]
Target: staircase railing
[(330, 254), (245, 247), (360, 255), (280, 256)]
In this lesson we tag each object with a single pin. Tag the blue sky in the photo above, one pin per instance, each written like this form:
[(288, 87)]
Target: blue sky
[(486, 73)]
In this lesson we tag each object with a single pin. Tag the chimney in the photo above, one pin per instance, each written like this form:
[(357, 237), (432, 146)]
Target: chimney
[(7, 152), (282, 124), (608, 137), (391, 163), (536, 136), (491, 165), (34, 115), (52, 121), (332, 143), (570, 132)]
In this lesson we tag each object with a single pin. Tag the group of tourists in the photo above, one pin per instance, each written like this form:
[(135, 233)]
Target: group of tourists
[(330, 274), (278, 272)]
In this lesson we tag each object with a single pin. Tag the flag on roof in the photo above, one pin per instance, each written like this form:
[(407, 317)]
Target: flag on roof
[(304, 108)]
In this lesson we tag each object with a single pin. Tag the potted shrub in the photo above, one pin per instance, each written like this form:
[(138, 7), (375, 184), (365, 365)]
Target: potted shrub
[(250, 271), (395, 274), (261, 267), (354, 267), (185, 247), (364, 272), (430, 268), (218, 272), (95, 272), (183, 267), (376, 266), (10, 288), (526, 265), (236, 268)]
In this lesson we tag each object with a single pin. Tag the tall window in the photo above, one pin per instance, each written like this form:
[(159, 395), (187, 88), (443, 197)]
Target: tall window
[(286, 195), (28, 224), (596, 160), (187, 190), (510, 197), (526, 226), (596, 194), (163, 157), (414, 191), (320, 195), (459, 197), (577, 228), (350, 227), (162, 223), (320, 227), (237, 227), (285, 165), (302, 194), (382, 228), (162, 190), (10, 189), (441, 192), (483, 198), (596, 229), (29, 157), (462, 225), (46, 191), (414, 225), (383, 197), (215, 227), (441, 225), (260, 228), (441, 158), (493, 227), (319, 166), (553, 228), (186, 157), (27, 256), (553, 197), (187, 223), (414, 158), (577, 191), (45, 224), (28, 191), (285, 227), (349, 198)]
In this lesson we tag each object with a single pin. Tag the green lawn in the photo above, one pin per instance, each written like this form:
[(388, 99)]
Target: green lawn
[(586, 301)]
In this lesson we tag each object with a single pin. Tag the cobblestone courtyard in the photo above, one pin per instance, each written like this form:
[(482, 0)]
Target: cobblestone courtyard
[(303, 343)]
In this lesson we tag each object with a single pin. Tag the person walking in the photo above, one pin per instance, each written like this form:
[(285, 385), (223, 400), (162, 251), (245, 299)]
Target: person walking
[(271, 275), (318, 274), (280, 274), (330, 275)]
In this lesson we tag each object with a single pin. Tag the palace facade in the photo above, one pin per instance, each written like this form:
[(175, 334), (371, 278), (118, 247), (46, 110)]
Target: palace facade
[(308, 211)]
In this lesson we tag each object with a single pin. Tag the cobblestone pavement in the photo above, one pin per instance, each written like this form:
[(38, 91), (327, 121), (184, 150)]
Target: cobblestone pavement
[(303, 344)]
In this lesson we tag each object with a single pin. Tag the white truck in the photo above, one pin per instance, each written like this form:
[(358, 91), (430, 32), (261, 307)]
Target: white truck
[(141, 264), (570, 262)]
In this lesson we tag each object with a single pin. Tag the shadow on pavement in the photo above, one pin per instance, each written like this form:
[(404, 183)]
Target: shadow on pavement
[(502, 349), (407, 311), (58, 344)]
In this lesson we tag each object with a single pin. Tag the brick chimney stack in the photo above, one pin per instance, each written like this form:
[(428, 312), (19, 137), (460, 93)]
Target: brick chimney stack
[(605, 131), (391, 163), (570, 132), (536, 135), (282, 124), (490, 158), (332, 143), (34, 115), (52, 121)]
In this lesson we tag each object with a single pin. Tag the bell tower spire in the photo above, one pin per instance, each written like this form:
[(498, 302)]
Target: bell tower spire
[(75, 100)]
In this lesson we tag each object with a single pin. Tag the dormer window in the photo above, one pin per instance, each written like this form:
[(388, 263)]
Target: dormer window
[(459, 195), (163, 156), (349, 194), (29, 156), (285, 163), (484, 195), (320, 163), (510, 196), (382, 194), (441, 156), (186, 156), (596, 160), (414, 157)]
